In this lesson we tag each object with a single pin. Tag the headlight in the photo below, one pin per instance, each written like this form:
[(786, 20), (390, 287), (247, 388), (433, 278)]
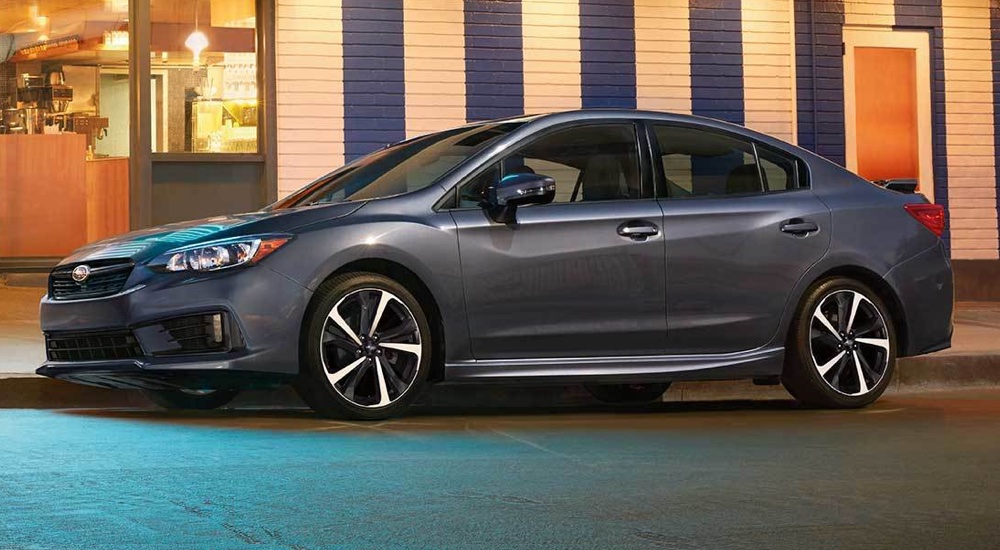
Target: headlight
[(213, 256)]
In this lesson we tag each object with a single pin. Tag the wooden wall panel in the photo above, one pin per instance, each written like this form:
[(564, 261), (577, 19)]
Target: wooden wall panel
[(42, 196), (310, 90), (107, 198), (968, 76)]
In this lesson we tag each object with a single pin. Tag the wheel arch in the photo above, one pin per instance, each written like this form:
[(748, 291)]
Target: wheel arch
[(878, 284), (413, 283)]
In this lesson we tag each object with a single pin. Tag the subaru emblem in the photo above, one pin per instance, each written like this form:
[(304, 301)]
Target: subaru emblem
[(81, 273)]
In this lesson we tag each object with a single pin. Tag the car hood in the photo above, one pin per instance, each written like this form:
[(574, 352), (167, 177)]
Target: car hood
[(146, 244)]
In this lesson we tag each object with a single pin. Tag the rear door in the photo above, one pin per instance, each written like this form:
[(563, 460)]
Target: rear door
[(581, 276), (741, 227)]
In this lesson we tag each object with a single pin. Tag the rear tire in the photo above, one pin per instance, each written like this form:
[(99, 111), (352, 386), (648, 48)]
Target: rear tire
[(841, 352), (366, 348), (627, 393), (193, 401)]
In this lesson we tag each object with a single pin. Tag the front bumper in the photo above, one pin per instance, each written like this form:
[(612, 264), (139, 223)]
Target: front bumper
[(264, 309), (136, 375)]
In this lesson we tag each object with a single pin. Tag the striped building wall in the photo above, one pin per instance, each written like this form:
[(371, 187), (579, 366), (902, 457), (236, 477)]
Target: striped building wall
[(356, 74)]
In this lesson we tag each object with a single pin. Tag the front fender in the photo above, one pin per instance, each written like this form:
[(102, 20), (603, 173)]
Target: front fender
[(426, 245)]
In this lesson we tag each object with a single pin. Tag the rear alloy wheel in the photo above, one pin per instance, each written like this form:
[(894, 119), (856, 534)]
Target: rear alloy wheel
[(627, 393), (367, 349), (844, 347), (194, 400)]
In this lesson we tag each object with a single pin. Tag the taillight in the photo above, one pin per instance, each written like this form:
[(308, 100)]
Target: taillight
[(930, 215)]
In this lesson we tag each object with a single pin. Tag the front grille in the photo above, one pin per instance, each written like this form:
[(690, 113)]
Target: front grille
[(107, 277), (92, 346)]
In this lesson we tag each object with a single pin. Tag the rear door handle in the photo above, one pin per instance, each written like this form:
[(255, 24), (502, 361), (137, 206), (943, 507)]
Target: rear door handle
[(798, 226), (638, 230)]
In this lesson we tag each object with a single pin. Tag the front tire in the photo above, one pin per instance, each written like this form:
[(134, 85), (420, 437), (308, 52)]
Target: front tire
[(842, 349), (366, 348), (191, 400)]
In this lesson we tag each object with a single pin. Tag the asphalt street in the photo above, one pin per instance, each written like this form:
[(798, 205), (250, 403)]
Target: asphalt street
[(917, 471)]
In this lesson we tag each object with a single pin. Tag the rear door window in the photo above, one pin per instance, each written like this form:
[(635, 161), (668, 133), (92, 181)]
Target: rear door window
[(697, 163)]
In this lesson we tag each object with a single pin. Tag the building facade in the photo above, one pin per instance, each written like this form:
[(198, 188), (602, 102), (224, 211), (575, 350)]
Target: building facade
[(353, 75), (150, 112)]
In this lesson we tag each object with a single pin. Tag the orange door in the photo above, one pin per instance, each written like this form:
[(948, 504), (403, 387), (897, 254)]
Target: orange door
[(885, 85)]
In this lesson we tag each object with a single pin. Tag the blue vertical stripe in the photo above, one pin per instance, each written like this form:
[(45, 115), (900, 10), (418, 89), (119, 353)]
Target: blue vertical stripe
[(995, 47), (607, 54), (717, 59), (494, 60), (374, 80), (927, 14), (819, 69)]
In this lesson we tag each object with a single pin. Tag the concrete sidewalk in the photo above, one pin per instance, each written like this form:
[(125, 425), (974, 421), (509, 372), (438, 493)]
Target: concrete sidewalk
[(22, 347), (973, 360)]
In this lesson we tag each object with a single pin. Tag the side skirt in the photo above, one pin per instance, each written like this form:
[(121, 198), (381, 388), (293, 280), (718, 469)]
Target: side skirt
[(761, 362)]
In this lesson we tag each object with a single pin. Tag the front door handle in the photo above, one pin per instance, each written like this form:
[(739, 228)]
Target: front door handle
[(638, 230), (798, 226)]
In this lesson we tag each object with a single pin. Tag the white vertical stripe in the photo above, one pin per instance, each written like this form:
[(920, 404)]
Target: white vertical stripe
[(793, 69), (310, 91), (767, 77), (434, 45), (663, 55), (550, 32), (968, 71)]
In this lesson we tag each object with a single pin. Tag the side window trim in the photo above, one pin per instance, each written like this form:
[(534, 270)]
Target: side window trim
[(451, 199), (761, 177)]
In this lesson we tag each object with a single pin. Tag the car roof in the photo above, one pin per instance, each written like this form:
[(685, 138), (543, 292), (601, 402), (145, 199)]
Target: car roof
[(582, 115), (536, 122)]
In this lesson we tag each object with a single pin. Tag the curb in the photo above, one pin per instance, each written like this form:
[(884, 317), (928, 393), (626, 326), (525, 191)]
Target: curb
[(915, 374)]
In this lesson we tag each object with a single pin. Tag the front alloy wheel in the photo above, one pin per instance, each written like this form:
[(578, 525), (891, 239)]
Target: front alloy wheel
[(844, 346), (367, 349)]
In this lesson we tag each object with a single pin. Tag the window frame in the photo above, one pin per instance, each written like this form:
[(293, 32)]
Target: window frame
[(800, 175), (450, 200)]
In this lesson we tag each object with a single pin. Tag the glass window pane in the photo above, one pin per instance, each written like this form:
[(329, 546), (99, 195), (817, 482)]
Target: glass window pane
[(204, 76), (779, 170), (588, 163), (403, 167), (699, 163), (64, 77)]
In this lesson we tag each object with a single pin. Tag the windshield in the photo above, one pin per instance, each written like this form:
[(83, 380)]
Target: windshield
[(406, 166)]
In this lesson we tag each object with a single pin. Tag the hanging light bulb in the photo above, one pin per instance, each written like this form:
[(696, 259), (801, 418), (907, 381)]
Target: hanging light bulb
[(196, 42)]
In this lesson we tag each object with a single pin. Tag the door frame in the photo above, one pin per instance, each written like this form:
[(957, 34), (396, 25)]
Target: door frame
[(886, 37)]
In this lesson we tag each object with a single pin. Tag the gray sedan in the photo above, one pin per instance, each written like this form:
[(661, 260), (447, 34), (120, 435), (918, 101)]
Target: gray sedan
[(619, 249)]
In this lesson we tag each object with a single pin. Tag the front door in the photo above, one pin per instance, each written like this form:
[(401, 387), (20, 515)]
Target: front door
[(738, 237), (887, 105), (582, 276)]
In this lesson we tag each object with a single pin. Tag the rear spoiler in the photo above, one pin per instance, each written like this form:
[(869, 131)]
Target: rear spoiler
[(907, 186)]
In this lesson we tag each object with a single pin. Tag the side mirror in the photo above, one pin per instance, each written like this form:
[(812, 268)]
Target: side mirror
[(516, 190)]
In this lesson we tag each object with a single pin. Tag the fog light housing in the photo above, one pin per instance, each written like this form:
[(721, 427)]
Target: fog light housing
[(191, 334)]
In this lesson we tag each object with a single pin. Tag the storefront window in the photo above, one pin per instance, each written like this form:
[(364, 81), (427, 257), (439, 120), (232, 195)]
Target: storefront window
[(64, 129), (204, 76)]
